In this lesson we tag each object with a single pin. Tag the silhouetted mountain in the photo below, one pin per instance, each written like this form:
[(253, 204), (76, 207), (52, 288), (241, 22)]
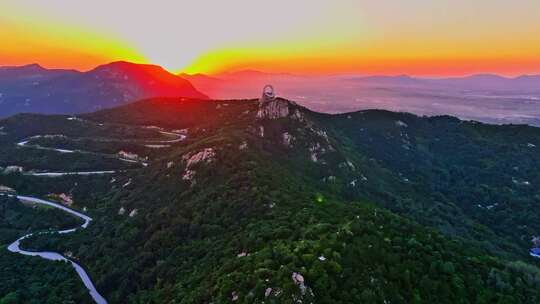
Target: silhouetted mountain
[(32, 88), (29, 72)]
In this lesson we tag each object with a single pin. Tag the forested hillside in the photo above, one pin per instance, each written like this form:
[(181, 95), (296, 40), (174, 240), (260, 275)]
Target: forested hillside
[(278, 204)]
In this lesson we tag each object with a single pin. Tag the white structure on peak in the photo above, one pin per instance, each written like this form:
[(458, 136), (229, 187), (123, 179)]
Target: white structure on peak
[(270, 107), (268, 94)]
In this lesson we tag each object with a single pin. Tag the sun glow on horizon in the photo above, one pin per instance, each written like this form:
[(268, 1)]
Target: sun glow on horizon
[(311, 37)]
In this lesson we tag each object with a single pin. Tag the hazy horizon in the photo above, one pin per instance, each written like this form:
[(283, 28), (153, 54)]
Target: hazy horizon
[(236, 71)]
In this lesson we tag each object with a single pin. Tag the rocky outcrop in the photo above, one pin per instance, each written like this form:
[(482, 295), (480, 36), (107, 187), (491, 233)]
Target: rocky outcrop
[(243, 146), (188, 175), (287, 139), (206, 155), (13, 169), (273, 109), (401, 124), (6, 189), (329, 179), (297, 115), (347, 165), (317, 150)]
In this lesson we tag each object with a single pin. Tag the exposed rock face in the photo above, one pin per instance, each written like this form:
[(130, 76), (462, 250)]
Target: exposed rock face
[(298, 279), (317, 150), (401, 124), (273, 109), (13, 169), (6, 189), (347, 165), (207, 155), (287, 139), (297, 115), (330, 179), (133, 213), (188, 175), (321, 134), (234, 296), (121, 211)]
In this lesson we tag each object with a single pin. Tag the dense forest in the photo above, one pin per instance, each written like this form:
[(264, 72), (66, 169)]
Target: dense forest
[(367, 207)]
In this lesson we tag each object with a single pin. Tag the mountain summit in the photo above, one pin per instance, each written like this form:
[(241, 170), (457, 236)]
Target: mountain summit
[(35, 89)]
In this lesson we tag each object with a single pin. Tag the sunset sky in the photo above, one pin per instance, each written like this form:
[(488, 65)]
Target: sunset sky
[(417, 37)]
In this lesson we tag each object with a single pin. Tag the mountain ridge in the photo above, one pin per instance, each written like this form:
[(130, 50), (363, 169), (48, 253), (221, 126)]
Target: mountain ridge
[(285, 204), (33, 88)]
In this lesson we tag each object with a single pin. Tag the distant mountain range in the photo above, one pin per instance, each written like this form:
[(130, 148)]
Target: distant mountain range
[(473, 82), (494, 82), (484, 97), (35, 89)]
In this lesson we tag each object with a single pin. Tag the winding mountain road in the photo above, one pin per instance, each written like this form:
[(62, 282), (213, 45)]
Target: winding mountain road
[(177, 137), (54, 256)]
